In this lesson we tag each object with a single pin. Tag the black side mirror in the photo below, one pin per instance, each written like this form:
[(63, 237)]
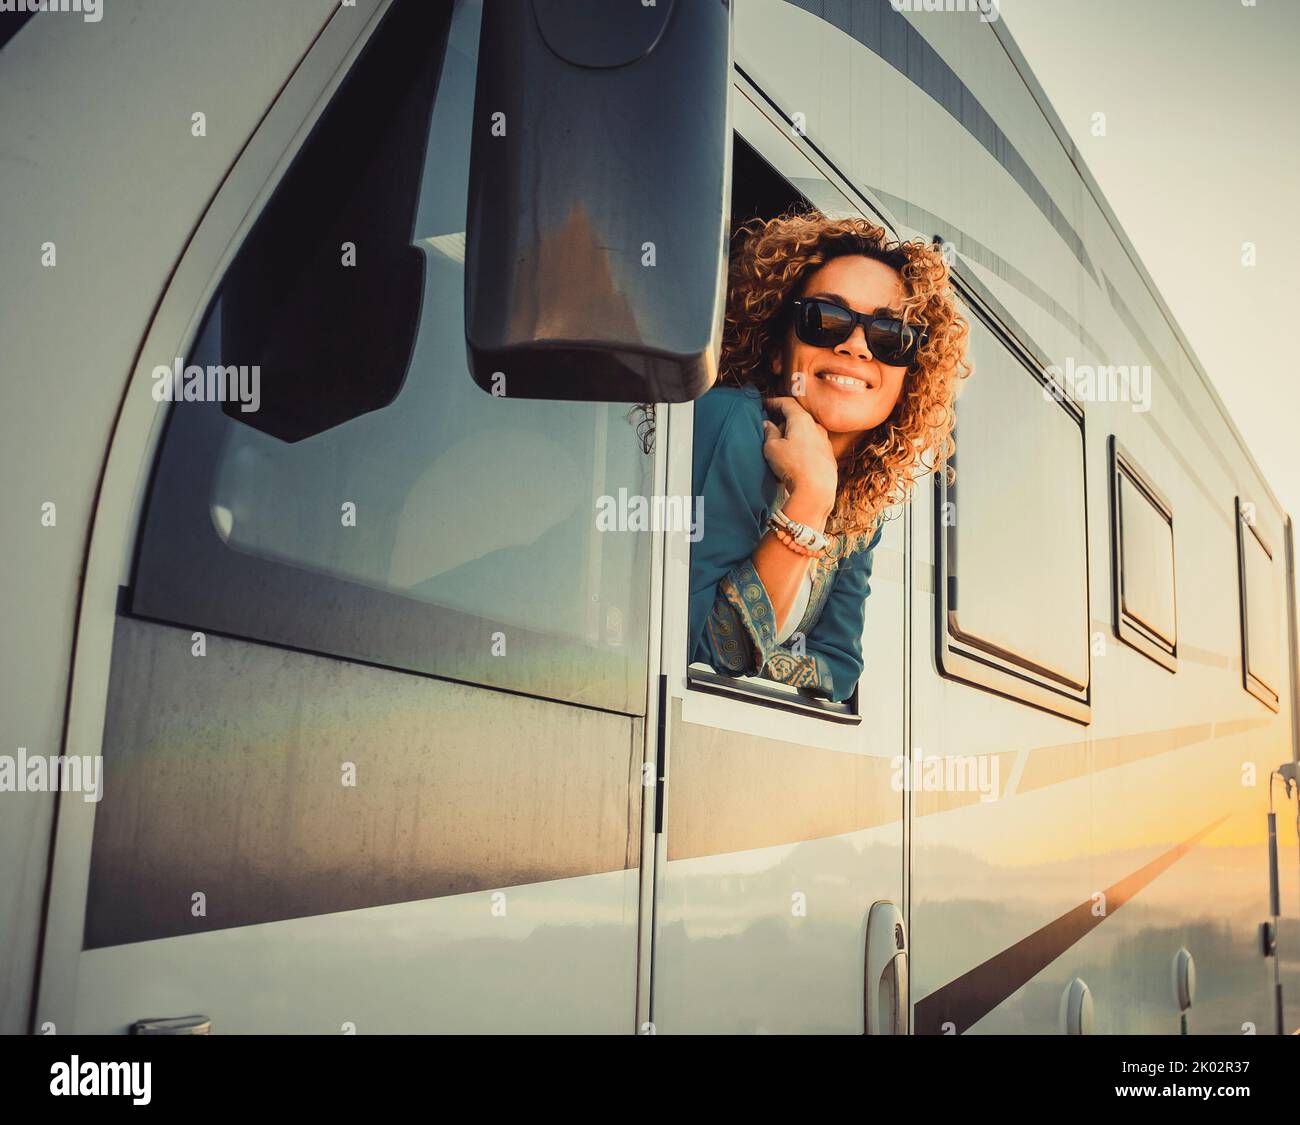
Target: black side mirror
[(596, 236)]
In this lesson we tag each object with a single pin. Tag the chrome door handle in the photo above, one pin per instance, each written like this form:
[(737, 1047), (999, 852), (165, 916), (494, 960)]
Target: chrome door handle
[(176, 1025), (885, 985)]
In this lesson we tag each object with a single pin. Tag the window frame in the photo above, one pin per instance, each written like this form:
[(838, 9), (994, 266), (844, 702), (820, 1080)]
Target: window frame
[(957, 656), (1129, 628), (760, 691), (1252, 683), (772, 693)]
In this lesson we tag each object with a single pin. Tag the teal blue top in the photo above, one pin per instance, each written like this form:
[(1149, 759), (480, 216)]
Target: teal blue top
[(733, 625)]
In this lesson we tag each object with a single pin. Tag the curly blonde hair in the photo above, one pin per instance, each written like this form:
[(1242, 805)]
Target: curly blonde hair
[(770, 263)]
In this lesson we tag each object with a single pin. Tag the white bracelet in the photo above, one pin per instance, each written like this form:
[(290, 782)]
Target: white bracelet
[(801, 533)]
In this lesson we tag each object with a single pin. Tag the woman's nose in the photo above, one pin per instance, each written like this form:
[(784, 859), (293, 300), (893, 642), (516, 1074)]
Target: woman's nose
[(856, 345)]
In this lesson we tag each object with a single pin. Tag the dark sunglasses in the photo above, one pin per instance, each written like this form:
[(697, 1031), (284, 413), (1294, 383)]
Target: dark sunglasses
[(824, 324)]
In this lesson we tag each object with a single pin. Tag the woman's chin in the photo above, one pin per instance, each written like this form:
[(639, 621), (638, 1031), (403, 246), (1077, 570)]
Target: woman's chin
[(839, 418)]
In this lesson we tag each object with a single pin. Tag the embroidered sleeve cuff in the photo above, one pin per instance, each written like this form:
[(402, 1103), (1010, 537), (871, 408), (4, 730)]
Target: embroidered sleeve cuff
[(742, 623), (806, 671)]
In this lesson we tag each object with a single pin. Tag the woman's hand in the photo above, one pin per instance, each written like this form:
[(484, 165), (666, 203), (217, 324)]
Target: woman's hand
[(802, 459)]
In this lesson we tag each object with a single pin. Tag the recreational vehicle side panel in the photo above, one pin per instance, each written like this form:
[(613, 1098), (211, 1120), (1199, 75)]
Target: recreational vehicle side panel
[(114, 143)]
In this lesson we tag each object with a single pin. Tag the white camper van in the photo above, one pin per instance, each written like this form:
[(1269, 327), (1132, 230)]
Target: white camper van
[(377, 730)]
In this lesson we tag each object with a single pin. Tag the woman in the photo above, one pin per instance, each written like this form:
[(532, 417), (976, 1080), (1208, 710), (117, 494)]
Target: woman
[(855, 347)]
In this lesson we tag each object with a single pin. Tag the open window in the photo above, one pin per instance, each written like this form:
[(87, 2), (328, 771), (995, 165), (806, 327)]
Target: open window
[(1142, 561), (1011, 588), (1261, 613), (760, 190)]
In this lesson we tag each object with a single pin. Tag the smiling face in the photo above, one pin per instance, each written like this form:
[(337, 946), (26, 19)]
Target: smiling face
[(845, 387)]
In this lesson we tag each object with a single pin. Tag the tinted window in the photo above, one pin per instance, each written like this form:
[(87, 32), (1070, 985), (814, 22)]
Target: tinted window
[(1143, 536), (378, 505), (1146, 587), (1261, 614)]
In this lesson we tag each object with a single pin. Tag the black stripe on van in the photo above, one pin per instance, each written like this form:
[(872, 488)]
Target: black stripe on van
[(964, 1001)]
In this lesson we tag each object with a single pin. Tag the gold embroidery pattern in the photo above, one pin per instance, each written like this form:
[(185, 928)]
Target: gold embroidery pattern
[(740, 624), (797, 671)]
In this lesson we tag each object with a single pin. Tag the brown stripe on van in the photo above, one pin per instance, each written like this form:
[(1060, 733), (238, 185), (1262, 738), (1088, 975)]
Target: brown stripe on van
[(1050, 765)]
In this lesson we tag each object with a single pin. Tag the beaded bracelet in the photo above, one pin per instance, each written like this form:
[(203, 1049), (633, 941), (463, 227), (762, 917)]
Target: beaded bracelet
[(798, 548)]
